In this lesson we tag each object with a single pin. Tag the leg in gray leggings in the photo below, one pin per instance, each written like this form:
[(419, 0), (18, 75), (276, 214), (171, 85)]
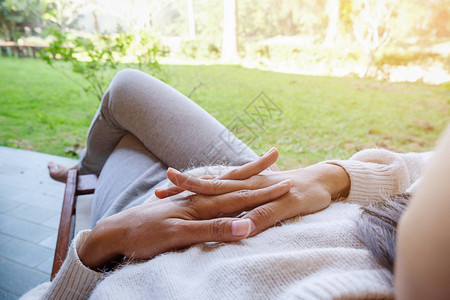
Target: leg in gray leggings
[(143, 126)]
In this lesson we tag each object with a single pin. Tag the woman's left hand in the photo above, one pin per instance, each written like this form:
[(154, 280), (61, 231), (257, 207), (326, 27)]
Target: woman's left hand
[(312, 190)]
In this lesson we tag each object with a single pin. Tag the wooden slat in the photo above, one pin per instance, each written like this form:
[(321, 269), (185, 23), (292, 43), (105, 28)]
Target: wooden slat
[(67, 211), (86, 184)]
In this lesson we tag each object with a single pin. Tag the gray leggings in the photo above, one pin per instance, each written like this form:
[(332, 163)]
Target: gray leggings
[(142, 127)]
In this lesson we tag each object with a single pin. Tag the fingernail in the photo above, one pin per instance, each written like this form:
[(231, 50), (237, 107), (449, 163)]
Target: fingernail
[(241, 227), (252, 226), (173, 170), (270, 151)]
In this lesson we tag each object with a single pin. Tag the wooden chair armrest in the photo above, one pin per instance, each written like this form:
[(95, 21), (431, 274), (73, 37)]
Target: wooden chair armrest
[(65, 222), (86, 184), (75, 185)]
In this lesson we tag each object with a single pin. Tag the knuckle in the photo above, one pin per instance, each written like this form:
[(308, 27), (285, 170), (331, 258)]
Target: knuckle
[(194, 213), (244, 195), (293, 203), (217, 229), (194, 206), (233, 173), (295, 199), (251, 180), (194, 199), (215, 184), (239, 200), (264, 214), (254, 180), (295, 193)]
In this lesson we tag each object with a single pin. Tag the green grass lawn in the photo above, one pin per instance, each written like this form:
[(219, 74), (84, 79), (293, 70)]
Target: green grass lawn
[(321, 117)]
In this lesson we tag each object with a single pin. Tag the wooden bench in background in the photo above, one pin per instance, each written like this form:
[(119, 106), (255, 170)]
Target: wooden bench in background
[(21, 50)]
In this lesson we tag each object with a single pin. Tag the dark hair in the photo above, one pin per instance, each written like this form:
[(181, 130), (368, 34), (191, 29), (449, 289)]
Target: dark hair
[(377, 227)]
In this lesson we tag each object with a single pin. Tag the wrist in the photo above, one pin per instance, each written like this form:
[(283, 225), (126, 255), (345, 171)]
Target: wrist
[(334, 179), (102, 248)]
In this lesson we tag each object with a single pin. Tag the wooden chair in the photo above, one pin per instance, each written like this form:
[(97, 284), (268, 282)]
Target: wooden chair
[(76, 185)]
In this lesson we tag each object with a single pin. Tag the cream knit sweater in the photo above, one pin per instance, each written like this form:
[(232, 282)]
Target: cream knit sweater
[(312, 257)]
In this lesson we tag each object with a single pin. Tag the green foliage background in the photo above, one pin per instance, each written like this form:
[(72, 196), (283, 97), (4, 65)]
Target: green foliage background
[(323, 117)]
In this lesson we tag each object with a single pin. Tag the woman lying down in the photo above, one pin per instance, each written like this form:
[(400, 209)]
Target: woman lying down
[(321, 232)]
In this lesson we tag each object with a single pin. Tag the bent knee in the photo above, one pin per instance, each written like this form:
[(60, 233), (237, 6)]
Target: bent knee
[(125, 83), (123, 78)]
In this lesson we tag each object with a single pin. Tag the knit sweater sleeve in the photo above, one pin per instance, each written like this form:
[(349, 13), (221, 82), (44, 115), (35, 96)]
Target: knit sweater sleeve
[(73, 281), (376, 173)]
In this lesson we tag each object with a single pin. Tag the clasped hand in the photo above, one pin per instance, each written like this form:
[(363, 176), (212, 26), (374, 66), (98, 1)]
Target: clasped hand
[(198, 210)]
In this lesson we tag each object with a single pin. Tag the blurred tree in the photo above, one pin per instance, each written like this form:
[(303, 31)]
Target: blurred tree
[(371, 25), (333, 8), (65, 13), (230, 39), (169, 17), (208, 17), (96, 24), (191, 18), (99, 57), (436, 18), (15, 15), (131, 16), (260, 20)]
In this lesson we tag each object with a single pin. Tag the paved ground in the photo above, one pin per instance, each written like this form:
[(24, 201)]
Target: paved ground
[(30, 205)]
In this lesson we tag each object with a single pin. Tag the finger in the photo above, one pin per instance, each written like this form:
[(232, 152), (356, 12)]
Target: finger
[(202, 186), (267, 215), (208, 207), (51, 165), (215, 230), (207, 187), (254, 167), (164, 192), (167, 192)]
